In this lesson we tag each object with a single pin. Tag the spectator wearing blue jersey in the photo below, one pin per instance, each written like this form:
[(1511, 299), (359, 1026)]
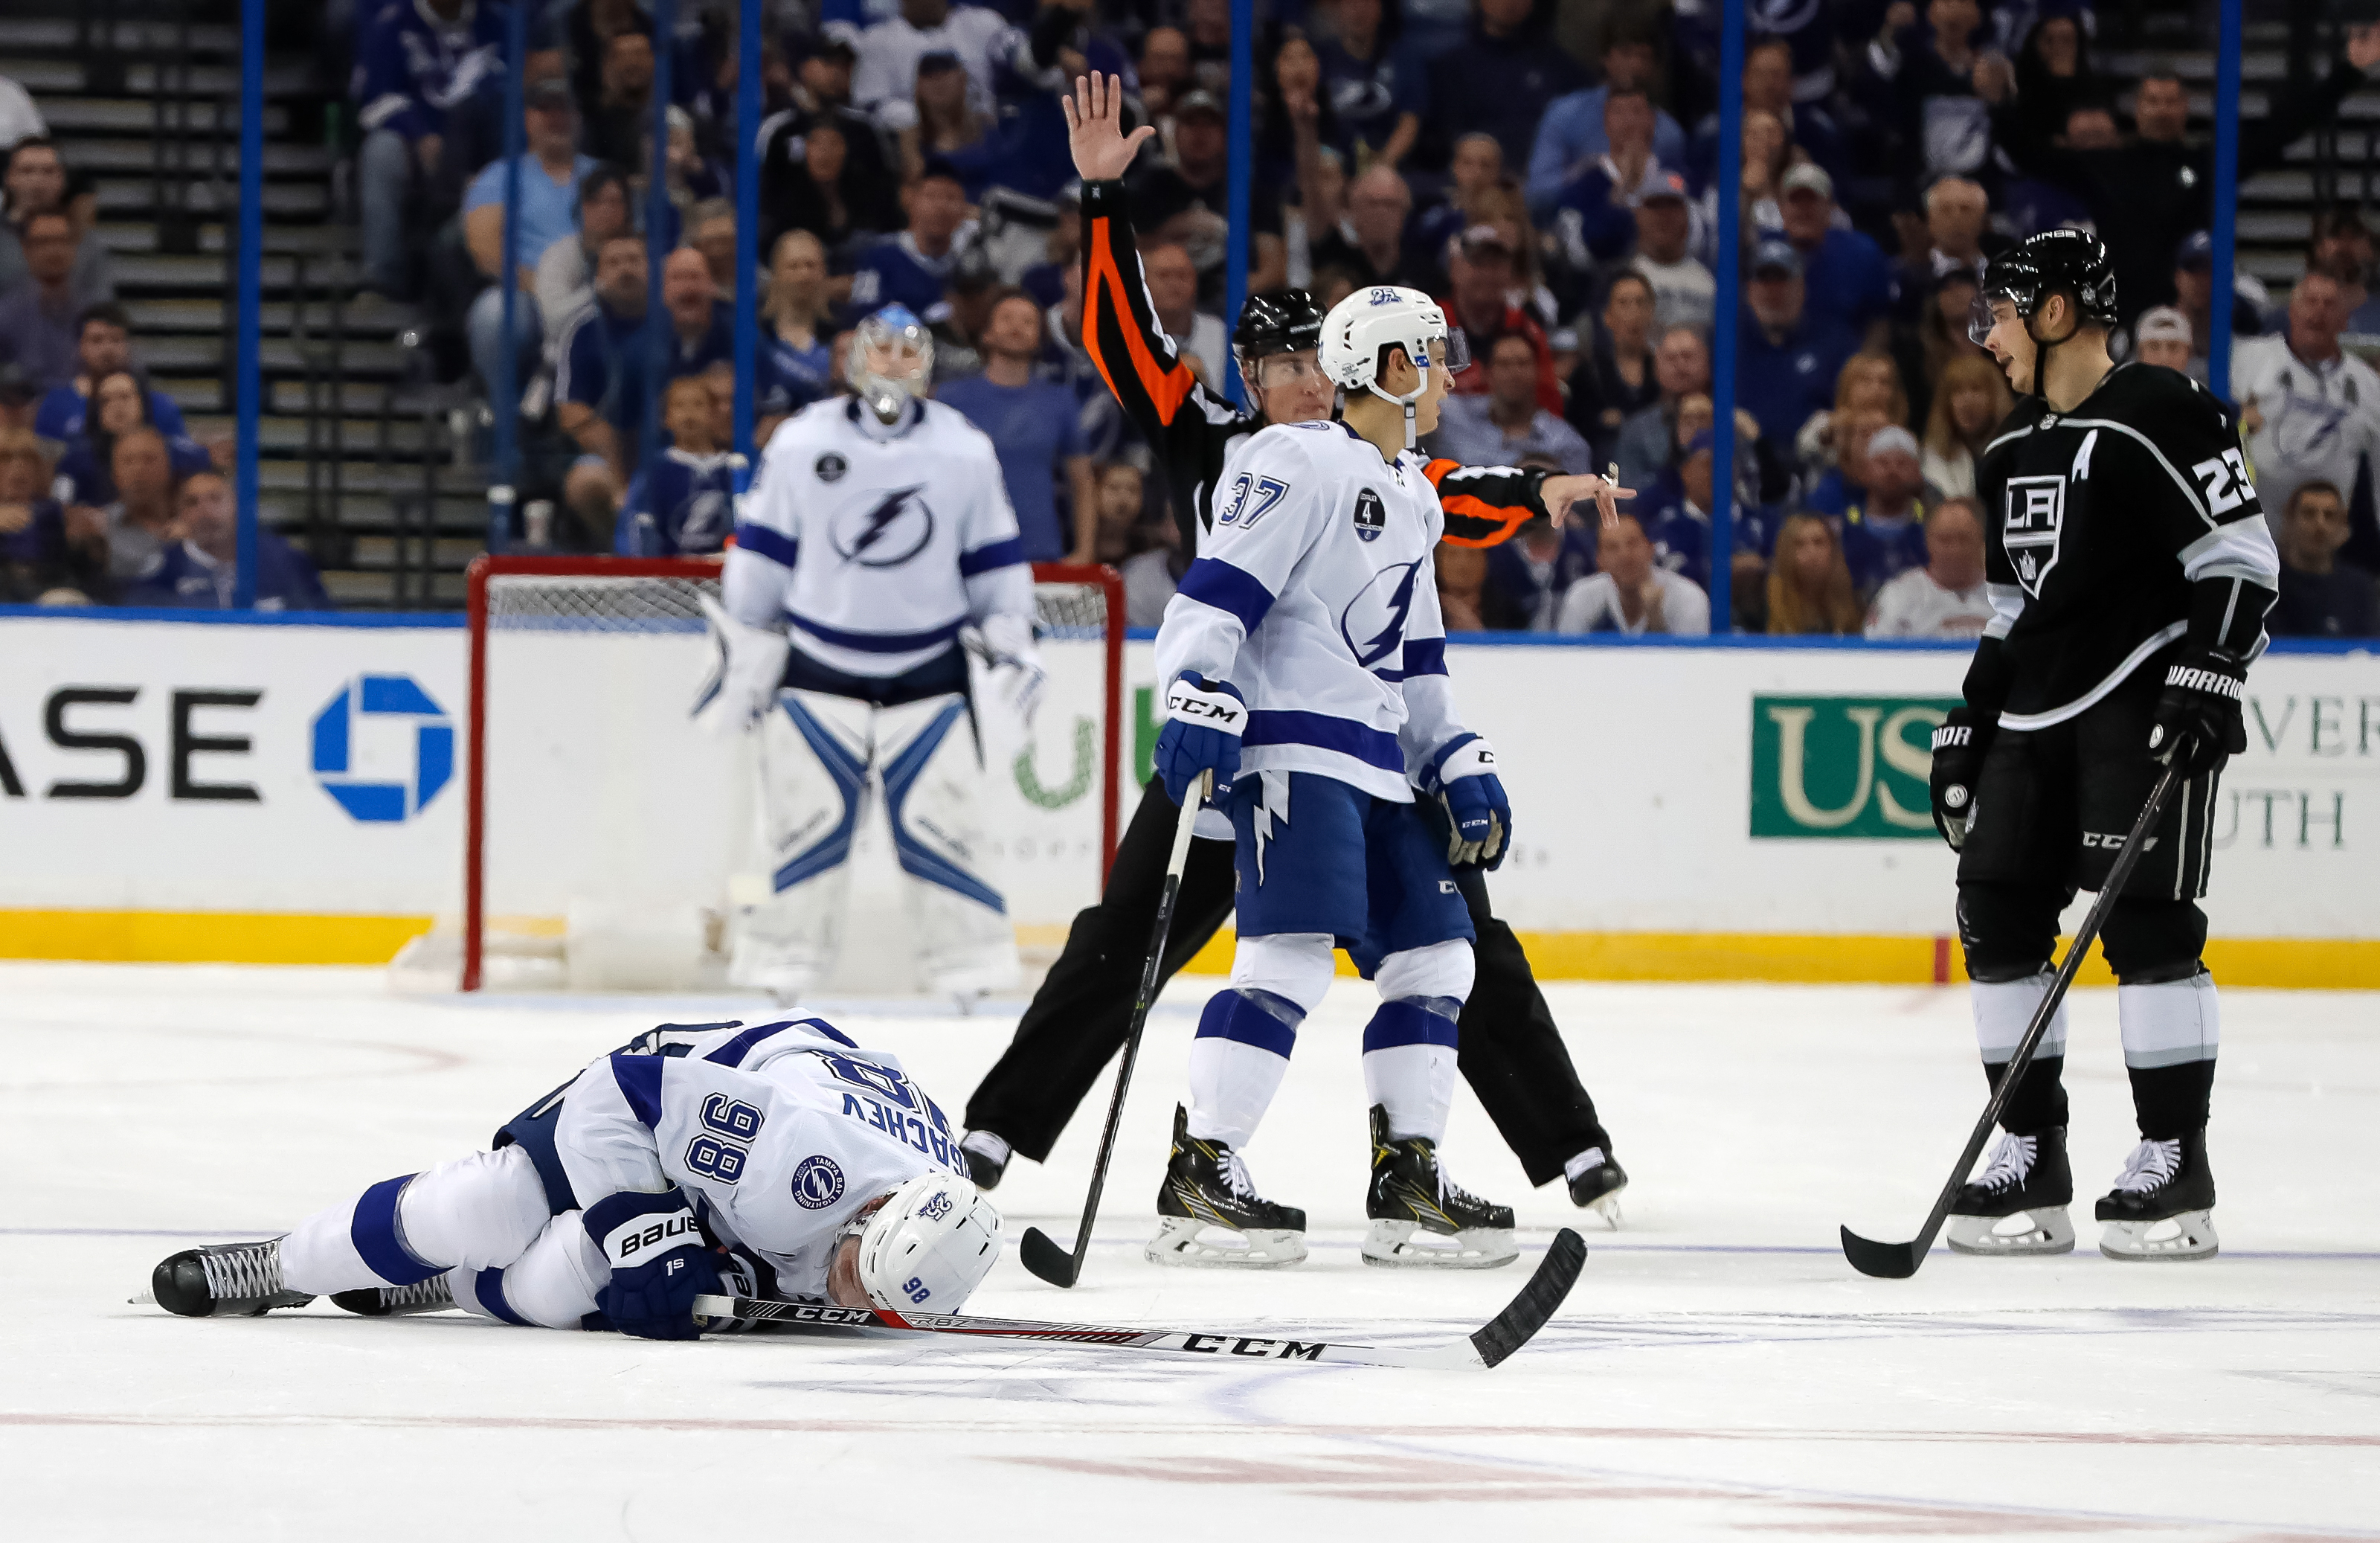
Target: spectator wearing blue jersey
[(122, 404), (1789, 359), (197, 569), (702, 327), (796, 362), (415, 61), (550, 171), (1032, 425), (1845, 275), (914, 268), (565, 272), (103, 347), (1379, 87), (1595, 210), (682, 505), (37, 562), (1676, 514), (1883, 524), (1572, 138), (598, 386)]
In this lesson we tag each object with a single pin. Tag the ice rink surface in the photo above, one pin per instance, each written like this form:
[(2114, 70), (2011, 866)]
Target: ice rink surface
[(1719, 1372)]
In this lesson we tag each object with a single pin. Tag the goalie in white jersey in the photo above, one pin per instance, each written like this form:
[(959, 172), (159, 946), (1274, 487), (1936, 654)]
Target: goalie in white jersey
[(876, 531), (1306, 662), (779, 1160)]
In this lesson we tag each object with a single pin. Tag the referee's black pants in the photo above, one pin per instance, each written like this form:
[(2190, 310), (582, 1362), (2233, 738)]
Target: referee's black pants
[(1512, 1053)]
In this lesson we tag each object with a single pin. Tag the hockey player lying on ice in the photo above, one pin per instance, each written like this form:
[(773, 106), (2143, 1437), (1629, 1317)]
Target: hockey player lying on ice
[(775, 1161)]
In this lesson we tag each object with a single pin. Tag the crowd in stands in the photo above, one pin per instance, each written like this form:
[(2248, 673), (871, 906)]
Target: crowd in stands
[(1547, 168)]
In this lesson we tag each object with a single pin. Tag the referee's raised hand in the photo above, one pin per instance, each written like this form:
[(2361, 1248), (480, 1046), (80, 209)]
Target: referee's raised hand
[(1095, 128)]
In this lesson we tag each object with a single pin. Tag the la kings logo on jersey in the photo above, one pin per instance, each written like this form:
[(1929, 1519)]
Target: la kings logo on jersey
[(2035, 515), (886, 533), (1371, 515)]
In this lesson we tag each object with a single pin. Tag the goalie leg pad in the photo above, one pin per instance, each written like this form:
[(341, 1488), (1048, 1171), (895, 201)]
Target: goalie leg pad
[(933, 790), (814, 754)]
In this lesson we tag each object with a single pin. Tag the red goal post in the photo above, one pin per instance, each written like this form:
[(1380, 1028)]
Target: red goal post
[(602, 594)]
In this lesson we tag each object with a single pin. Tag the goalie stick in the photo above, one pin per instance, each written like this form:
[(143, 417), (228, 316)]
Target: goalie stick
[(1898, 1261), (1490, 1345), (1037, 1249)]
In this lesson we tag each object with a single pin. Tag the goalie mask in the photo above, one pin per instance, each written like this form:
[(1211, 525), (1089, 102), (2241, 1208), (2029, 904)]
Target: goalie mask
[(892, 360), (929, 1245), (1361, 328)]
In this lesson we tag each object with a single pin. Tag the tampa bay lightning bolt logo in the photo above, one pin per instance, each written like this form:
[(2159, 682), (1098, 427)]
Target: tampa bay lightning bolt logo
[(1371, 516), (1373, 625), (818, 1183), (885, 534)]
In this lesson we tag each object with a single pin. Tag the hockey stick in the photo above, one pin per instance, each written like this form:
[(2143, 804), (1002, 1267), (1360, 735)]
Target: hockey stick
[(1489, 1345), (1042, 1256), (1898, 1261)]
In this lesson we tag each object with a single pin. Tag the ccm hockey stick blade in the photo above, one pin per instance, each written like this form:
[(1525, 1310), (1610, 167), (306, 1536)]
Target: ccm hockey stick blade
[(1488, 1346)]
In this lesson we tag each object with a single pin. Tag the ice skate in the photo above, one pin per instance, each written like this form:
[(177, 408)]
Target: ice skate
[(2017, 1204), (2163, 1206), (1598, 1182), (1422, 1217), (987, 1158), (223, 1280), (422, 1296), (1206, 1186)]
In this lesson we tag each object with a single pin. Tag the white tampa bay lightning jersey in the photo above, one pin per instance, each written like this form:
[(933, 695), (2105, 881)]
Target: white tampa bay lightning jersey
[(1315, 595), (776, 1132), (876, 544)]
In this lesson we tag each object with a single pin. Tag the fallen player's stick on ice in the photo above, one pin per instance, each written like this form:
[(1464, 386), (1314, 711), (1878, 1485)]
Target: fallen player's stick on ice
[(1488, 1346)]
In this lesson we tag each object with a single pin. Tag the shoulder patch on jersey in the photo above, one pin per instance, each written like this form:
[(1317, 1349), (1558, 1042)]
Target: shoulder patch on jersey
[(831, 467), (817, 1182), (1371, 515)]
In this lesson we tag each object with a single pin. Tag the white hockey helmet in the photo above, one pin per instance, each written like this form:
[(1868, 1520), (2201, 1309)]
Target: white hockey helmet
[(891, 359), (1369, 321), (929, 1245)]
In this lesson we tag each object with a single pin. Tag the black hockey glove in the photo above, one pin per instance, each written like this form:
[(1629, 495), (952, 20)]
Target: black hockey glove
[(2198, 717), (660, 1263), (1958, 747)]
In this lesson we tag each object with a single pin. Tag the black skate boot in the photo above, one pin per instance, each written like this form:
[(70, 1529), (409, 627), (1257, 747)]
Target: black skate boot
[(987, 1158), (422, 1296), (1207, 1185), (1412, 1201), (1596, 1188), (2017, 1204), (223, 1280), (2163, 1206)]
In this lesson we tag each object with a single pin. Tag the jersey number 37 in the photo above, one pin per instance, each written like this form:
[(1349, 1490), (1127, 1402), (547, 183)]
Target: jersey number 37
[(1267, 490)]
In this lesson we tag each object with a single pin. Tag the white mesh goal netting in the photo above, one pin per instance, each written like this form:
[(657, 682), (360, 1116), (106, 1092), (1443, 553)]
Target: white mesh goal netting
[(618, 835)]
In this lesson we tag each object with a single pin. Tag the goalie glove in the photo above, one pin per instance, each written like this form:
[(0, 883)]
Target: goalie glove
[(1015, 675), (748, 665), (2198, 720), (1464, 776), (1958, 747)]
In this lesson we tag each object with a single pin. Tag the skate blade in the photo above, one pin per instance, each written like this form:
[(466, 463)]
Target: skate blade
[(2189, 1235), (1607, 1207), (1181, 1241), (2045, 1231), (1406, 1246)]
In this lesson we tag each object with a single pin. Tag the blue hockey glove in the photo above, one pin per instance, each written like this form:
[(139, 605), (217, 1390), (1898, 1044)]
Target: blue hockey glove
[(660, 1263), (1464, 777), (1203, 722)]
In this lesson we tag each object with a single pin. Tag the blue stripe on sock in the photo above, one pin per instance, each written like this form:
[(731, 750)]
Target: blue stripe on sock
[(489, 1287), (373, 1232), (1405, 1022), (1237, 1015)]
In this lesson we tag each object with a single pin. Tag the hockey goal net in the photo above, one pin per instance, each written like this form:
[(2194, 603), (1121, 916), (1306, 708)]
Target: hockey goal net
[(607, 837)]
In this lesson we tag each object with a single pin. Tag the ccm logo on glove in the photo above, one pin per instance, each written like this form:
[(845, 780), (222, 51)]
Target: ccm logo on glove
[(1185, 701)]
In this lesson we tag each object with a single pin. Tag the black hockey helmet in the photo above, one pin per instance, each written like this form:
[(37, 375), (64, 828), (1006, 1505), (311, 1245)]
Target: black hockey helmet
[(2040, 266), (1277, 322)]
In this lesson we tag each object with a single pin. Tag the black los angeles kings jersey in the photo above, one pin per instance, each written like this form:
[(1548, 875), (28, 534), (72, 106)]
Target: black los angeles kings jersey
[(2111, 533)]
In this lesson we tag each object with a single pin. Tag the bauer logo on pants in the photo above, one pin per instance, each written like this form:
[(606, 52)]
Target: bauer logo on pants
[(1843, 767)]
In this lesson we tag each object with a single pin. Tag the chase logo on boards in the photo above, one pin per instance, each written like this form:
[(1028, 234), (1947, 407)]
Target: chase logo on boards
[(1843, 767), (383, 749)]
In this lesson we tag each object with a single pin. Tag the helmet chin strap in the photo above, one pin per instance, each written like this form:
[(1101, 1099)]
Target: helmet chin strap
[(1408, 401), (2041, 346)]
